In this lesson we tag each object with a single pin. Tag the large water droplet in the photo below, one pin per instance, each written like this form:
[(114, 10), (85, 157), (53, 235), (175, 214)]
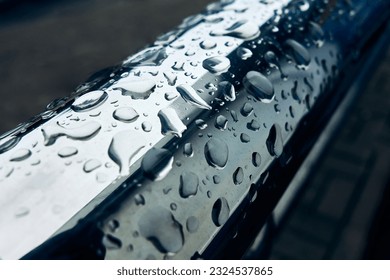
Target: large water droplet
[(84, 132), (160, 227), (20, 155), (137, 89), (89, 101), (124, 146), (91, 165), (208, 44), (216, 65), (67, 152), (126, 114), (221, 211), (256, 159), (226, 89), (190, 96), (254, 125), (189, 182), (259, 86), (157, 163), (242, 29), (221, 122), (275, 141), (8, 143), (192, 224), (217, 153), (299, 52), (171, 122), (244, 53), (238, 176), (149, 57)]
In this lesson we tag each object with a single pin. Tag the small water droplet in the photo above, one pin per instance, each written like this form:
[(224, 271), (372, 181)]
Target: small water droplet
[(259, 86), (189, 183), (201, 124), (254, 125), (126, 114), (256, 159), (238, 176), (247, 109), (274, 141), (187, 150), (21, 212), (300, 54), (190, 96), (216, 65), (192, 224), (111, 242), (216, 153), (170, 96), (173, 206), (139, 199), (160, 227), (91, 165), (146, 126), (178, 66), (221, 122), (245, 138), (84, 132), (20, 155), (157, 163), (171, 122), (89, 101), (171, 78), (242, 29), (234, 115), (67, 152), (221, 211), (244, 53), (216, 179), (113, 225)]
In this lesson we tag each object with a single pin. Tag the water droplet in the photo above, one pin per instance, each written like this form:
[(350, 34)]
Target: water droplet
[(113, 225), (221, 122), (190, 96), (246, 109), (139, 199), (8, 143), (126, 114), (146, 126), (189, 182), (173, 206), (216, 153), (259, 86), (111, 242), (317, 33), (242, 29), (216, 179), (91, 165), (299, 52), (192, 224), (20, 155), (254, 125), (149, 57), (160, 227), (238, 176), (216, 65), (256, 159), (89, 101), (244, 53), (273, 61), (84, 132), (171, 122), (245, 138), (291, 110), (21, 212), (187, 150), (67, 152), (137, 89), (221, 211), (201, 124), (124, 146), (208, 44), (178, 66), (171, 78), (157, 163), (170, 96), (226, 89), (297, 95), (274, 141), (234, 115)]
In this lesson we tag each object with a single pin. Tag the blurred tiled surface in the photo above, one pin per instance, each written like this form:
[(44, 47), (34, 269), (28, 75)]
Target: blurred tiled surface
[(333, 217)]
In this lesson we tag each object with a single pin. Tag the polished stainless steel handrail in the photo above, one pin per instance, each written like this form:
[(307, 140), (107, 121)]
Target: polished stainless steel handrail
[(160, 156)]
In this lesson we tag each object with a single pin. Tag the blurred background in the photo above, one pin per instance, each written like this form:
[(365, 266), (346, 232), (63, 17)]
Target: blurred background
[(48, 47)]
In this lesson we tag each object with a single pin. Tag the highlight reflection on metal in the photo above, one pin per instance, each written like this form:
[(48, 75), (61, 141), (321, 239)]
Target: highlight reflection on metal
[(185, 127)]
